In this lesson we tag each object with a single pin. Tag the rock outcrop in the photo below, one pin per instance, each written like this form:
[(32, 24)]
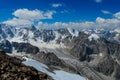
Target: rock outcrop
[(12, 69), (105, 55), (49, 58), (108, 67), (6, 46), (25, 47)]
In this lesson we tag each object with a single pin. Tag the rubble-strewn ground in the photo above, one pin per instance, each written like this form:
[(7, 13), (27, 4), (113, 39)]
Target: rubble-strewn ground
[(12, 69)]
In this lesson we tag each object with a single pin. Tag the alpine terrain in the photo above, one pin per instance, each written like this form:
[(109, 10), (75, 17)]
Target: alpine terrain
[(59, 54)]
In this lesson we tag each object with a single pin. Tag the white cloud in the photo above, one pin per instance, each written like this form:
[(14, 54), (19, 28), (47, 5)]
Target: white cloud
[(18, 22), (117, 15), (100, 20), (24, 17), (33, 14), (105, 12), (98, 1), (107, 23), (56, 5), (49, 14), (100, 23), (57, 25)]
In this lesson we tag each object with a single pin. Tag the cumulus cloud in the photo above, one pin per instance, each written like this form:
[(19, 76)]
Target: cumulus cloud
[(33, 14), (117, 15), (107, 23), (49, 14), (98, 1), (18, 22), (100, 20), (74, 25), (100, 23), (25, 17), (28, 17), (105, 12), (56, 5)]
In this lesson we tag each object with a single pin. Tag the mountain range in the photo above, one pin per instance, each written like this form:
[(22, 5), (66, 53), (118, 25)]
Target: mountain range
[(93, 54)]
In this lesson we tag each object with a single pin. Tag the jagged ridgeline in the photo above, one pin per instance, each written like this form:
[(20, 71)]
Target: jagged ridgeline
[(94, 54)]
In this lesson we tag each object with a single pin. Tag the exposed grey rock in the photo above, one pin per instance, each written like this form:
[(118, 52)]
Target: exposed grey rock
[(25, 47), (6, 46), (108, 67), (89, 51), (47, 35), (49, 58)]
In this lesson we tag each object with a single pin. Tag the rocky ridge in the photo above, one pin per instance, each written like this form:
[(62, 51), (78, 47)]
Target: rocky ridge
[(12, 68)]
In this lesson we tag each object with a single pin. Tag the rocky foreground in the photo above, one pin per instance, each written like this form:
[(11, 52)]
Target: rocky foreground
[(12, 69)]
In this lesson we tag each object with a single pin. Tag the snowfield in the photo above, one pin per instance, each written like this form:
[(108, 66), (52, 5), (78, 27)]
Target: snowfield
[(56, 75), (63, 75)]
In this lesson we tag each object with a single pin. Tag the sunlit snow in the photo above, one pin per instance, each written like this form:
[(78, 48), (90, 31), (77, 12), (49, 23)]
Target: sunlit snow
[(56, 75), (94, 37)]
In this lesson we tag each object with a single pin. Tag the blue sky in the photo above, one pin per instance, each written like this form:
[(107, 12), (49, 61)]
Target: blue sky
[(64, 10), (76, 10)]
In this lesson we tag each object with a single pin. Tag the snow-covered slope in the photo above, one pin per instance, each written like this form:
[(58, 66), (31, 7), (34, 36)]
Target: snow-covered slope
[(37, 37), (56, 74)]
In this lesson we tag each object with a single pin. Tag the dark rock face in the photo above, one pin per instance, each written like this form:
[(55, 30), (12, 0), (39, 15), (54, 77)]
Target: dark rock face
[(63, 31), (114, 50), (82, 48), (47, 35), (25, 47), (33, 28), (12, 69), (49, 59), (117, 73), (108, 66), (86, 50), (6, 46), (105, 66)]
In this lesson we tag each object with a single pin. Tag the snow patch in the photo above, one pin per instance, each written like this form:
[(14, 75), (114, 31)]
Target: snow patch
[(39, 66), (50, 45), (117, 30), (116, 37), (101, 54), (73, 32), (93, 37)]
